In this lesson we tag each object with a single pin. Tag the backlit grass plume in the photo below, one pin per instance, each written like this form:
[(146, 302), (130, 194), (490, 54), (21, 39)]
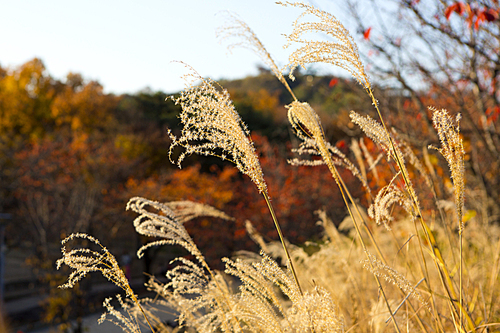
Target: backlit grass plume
[(453, 151), (84, 260), (341, 52), (158, 220), (188, 278), (242, 35), (211, 126), (187, 210)]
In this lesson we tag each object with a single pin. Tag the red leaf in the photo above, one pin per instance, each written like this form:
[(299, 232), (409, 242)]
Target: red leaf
[(490, 14), (492, 114), (406, 104), (457, 7), (333, 82), (462, 8), (479, 19), (366, 34), (449, 10)]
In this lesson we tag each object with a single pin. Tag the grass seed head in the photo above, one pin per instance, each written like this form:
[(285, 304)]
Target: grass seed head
[(213, 127)]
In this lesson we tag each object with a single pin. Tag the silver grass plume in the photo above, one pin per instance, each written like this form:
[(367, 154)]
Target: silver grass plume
[(309, 147), (213, 127), (187, 279), (203, 303), (377, 133), (127, 318), (161, 223), (186, 210), (453, 151), (342, 52), (261, 306), (241, 35), (85, 260), (307, 125), (374, 130), (316, 312), (126, 322), (412, 158), (388, 273), (130, 316), (380, 210)]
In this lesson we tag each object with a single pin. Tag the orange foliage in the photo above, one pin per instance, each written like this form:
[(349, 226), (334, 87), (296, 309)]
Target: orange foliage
[(83, 107), (60, 184)]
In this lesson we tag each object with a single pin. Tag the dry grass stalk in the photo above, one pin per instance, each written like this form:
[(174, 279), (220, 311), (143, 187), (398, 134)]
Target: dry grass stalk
[(337, 293), (211, 126), (84, 261), (453, 151)]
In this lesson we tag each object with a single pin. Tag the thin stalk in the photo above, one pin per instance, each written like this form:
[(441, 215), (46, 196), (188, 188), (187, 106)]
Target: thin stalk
[(333, 170), (343, 189), (204, 263), (282, 239), (370, 235), (136, 301), (461, 279), (358, 231), (448, 285)]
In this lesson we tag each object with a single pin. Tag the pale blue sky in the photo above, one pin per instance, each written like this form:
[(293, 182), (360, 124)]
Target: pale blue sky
[(128, 45)]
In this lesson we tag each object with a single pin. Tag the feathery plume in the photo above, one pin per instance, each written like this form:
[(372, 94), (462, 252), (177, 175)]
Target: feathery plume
[(453, 151), (378, 268), (309, 147), (304, 120), (127, 323), (160, 224), (387, 196), (242, 35), (213, 127), (85, 260), (342, 52), (374, 130), (186, 210), (188, 278)]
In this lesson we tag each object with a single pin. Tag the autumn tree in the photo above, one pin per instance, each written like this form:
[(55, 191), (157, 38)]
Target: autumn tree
[(442, 53), (25, 97), (60, 187)]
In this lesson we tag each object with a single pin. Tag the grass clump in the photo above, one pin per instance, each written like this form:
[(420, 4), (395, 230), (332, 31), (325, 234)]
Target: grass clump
[(419, 273)]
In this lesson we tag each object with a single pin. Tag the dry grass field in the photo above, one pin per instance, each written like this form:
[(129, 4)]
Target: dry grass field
[(392, 265)]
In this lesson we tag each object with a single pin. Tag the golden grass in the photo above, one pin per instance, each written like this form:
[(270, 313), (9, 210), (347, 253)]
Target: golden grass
[(419, 273)]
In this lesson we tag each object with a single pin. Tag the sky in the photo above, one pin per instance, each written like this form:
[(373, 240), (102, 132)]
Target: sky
[(130, 45)]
